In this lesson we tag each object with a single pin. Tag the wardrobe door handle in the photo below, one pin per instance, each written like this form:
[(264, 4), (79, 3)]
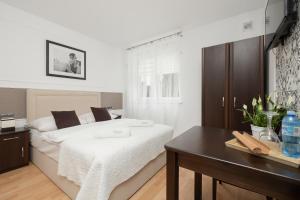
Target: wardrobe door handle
[(223, 102), (234, 102), (22, 152)]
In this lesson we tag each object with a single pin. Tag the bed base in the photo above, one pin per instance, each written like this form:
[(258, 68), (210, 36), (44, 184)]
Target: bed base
[(122, 192)]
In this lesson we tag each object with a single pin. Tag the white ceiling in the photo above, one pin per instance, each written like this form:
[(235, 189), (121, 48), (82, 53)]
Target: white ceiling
[(123, 22)]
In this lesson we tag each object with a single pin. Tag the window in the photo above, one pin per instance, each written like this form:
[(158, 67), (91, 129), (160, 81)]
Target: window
[(146, 74), (159, 76), (153, 81), (169, 85), (168, 69)]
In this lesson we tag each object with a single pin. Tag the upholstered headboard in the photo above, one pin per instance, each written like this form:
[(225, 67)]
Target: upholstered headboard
[(40, 103)]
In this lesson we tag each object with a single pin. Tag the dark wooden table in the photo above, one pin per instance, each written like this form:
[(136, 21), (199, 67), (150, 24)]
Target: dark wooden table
[(203, 151)]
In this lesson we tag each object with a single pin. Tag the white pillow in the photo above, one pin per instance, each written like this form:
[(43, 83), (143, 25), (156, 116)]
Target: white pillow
[(113, 116), (82, 119), (87, 118), (44, 124), (115, 113)]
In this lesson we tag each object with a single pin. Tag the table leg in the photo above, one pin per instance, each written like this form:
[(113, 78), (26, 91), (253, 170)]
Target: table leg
[(214, 189), (198, 186), (172, 176)]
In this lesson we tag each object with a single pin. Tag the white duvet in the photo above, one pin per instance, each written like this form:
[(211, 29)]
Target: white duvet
[(99, 164)]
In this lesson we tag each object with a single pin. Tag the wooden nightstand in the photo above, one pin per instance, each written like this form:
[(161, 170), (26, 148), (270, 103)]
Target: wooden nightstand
[(14, 149)]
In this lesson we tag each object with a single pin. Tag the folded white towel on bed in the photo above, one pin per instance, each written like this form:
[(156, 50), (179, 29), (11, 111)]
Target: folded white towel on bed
[(141, 123), (115, 133)]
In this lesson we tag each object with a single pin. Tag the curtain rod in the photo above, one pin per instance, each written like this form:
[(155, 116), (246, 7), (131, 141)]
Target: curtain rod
[(158, 39)]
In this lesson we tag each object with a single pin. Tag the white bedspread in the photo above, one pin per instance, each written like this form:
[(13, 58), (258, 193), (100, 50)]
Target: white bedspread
[(98, 164)]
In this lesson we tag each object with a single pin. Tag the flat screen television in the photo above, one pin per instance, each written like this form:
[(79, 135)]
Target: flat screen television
[(280, 16)]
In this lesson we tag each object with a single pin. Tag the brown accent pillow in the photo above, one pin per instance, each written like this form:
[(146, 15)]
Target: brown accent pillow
[(100, 114), (65, 119)]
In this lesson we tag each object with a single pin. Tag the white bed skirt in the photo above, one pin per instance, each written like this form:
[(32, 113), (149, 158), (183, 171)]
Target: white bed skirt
[(122, 192)]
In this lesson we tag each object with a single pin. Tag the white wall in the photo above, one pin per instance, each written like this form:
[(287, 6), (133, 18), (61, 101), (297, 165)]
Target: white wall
[(23, 55), (227, 30)]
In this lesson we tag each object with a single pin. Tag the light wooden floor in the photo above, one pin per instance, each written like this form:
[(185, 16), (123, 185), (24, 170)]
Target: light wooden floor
[(29, 183)]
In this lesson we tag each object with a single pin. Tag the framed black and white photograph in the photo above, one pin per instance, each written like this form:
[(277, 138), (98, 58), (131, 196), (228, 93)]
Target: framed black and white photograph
[(64, 61)]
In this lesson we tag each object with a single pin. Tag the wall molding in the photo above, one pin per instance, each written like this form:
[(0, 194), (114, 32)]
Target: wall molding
[(55, 86)]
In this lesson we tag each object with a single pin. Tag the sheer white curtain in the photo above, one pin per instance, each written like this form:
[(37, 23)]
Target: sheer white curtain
[(153, 87)]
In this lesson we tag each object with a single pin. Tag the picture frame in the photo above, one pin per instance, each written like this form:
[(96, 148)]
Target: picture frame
[(65, 61)]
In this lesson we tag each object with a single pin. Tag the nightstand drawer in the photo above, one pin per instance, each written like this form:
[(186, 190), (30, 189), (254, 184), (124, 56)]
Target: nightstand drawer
[(5, 139), (13, 151)]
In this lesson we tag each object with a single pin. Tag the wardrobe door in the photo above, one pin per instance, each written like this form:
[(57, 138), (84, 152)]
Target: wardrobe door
[(246, 78), (214, 87)]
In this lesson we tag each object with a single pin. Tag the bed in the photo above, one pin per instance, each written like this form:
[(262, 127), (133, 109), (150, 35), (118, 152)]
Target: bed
[(44, 154)]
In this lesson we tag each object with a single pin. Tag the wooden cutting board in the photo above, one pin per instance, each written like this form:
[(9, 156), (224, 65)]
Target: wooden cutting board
[(275, 153)]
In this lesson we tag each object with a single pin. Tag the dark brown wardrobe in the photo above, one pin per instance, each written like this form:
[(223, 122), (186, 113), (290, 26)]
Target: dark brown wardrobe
[(232, 74)]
